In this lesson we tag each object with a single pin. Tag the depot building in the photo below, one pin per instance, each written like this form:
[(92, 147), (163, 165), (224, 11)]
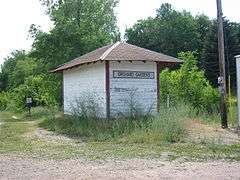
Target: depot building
[(115, 76)]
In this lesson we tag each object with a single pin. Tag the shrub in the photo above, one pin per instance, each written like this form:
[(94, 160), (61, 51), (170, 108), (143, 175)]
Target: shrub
[(4, 100), (189, 84), (39, 87)]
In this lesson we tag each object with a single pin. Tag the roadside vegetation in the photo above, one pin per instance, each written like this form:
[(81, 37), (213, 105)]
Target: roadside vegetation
[(190, 89), (167, 126), (134, 135), (164, 134)]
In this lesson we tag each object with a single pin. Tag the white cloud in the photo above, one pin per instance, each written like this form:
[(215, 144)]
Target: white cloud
[(17, 16)]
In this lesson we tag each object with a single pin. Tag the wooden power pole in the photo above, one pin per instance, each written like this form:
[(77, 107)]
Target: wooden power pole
[(222, 78)]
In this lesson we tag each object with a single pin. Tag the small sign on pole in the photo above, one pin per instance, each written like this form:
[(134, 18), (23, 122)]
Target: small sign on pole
[(238, 87), (29, 104)]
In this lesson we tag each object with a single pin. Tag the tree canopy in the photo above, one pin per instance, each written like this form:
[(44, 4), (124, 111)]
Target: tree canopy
[(81, 26), (171, 32)]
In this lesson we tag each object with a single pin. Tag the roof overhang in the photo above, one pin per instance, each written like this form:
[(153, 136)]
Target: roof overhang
[(118, 52), (163, 63)]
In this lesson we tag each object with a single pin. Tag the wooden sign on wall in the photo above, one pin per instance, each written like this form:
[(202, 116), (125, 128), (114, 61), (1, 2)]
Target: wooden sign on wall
[(133, 74)]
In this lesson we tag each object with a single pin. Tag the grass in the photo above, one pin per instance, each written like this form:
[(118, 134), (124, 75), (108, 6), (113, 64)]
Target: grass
[(17, 137), (37, 113), (11, 139), (167, 126), (14, 140), (207, 151)]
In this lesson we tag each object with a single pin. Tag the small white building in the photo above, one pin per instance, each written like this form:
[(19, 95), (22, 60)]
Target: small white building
[(114, 75)]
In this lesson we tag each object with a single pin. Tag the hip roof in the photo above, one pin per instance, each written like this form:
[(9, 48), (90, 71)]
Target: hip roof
[(120, 51)]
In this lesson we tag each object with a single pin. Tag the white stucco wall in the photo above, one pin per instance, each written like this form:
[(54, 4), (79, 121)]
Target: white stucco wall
[(84, 81), (120, 88)]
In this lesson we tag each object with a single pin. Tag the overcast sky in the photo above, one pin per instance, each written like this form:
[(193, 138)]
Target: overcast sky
[(16, 17)]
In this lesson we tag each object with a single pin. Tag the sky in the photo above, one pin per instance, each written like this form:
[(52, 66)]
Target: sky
[(16, 17)]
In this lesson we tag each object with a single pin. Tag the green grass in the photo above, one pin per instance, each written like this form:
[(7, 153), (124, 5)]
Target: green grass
[(207, 151), (18, 138), (168, 126), (10, 137), (7, 116), (37, 113), (14, 140)]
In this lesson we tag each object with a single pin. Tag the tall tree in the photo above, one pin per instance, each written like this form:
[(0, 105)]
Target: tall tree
[(171, 32), (79, 27), (8, 68), (209, 51)]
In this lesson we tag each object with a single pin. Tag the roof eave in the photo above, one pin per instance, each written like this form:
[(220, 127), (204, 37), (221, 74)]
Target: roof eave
[(60, 70)]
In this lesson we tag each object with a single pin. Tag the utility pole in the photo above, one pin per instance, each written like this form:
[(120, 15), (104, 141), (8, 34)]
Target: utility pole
[(222, 78)]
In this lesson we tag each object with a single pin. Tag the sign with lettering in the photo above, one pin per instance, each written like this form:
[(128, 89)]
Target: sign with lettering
[(28, 100), (133, 74)]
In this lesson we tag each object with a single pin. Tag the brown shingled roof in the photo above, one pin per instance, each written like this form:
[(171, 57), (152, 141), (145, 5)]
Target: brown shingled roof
[(119, 51)]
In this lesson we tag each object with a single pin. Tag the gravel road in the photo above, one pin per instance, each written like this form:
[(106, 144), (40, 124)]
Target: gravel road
[(17, 167)]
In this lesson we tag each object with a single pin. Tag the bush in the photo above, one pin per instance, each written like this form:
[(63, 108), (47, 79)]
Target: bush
[(39, 87), (189, 84), (4, 100)]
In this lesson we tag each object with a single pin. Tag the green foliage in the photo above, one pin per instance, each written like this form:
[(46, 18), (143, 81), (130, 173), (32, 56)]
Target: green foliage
[(79, 27), (4, 100), (9, 67), (24, 68), (188, 84), (39, 87), (171, 32)]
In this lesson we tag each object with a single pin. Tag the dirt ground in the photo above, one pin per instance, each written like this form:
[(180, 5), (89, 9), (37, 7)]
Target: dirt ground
[(24, 168), (17, 167), (198, 131)]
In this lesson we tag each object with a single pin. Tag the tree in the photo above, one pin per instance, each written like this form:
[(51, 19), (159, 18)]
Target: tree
[(8, 68), (80, 26), (171, 32), (209, 52)]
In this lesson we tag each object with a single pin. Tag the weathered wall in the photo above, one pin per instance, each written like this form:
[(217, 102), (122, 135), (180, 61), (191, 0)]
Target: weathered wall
[(145, 90), (84, 81)]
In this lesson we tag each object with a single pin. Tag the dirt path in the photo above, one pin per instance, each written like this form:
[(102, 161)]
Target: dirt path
[(16, 167), (24, 168)]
